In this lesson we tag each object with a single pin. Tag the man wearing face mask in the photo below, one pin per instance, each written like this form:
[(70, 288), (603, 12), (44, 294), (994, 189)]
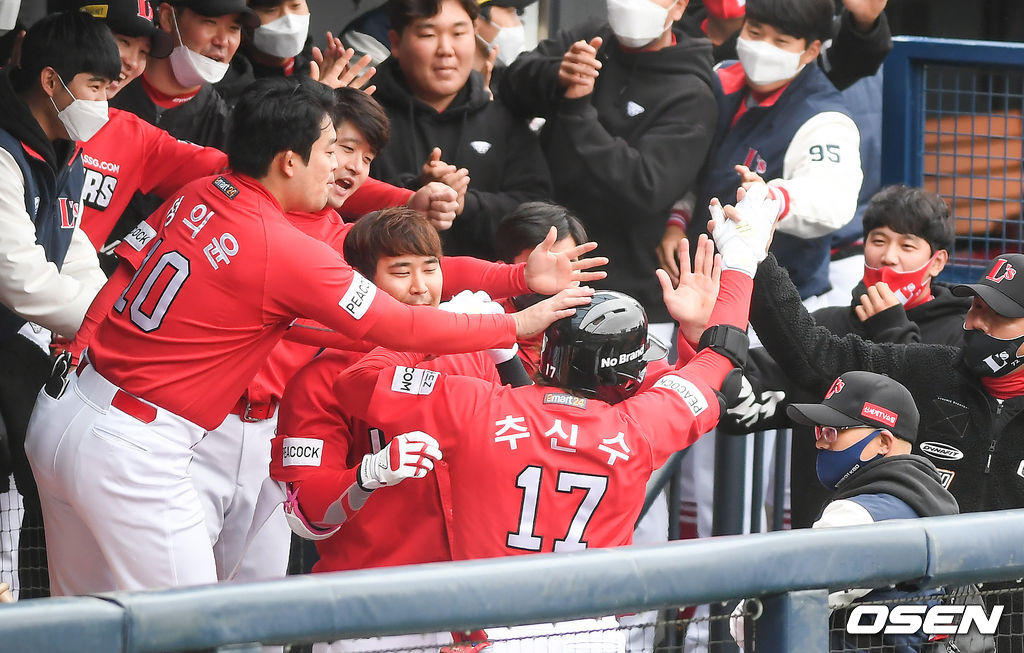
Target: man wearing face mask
[(177, 93), (279, 46), (864, 430), (630, 115), (783, 120), (48, 269), (500, 37), (907, 235)]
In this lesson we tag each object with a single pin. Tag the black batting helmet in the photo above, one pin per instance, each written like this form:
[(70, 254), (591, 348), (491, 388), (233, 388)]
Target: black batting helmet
[(602, 350)]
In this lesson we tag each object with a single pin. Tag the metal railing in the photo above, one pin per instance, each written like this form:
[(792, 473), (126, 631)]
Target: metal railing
[(791, 571)]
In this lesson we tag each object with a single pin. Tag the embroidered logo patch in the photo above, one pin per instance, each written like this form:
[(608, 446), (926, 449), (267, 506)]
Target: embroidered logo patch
[(633, 109), (480, 147), (562, 399), (225, 186), (941, 451)]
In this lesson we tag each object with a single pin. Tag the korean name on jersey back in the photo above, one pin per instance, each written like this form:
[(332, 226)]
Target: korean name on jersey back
[(690, 394)]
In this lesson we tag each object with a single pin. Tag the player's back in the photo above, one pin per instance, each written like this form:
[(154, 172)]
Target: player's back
[(205, 307), (540, 470)]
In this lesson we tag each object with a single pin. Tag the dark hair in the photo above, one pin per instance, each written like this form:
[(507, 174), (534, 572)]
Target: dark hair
[(912, 211), (394, 231), (810, 20), (528, 225), (364, 113), (402, 12), (70, 42), (273, 115)]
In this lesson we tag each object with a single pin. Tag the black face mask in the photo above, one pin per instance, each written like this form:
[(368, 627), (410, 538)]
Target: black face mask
[(986, 355)]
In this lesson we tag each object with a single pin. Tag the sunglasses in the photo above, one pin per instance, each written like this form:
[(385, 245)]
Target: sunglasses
[(830, 433)]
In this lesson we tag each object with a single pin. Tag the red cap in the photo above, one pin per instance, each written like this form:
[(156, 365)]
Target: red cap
[(725, 9)]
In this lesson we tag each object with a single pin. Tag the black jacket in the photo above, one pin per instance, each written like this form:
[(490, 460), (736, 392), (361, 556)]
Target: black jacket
[(623, 155), (505, 163), (976, 442), (244, 70)]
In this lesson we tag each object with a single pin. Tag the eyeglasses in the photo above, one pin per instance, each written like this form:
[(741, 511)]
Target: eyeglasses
[(830, 433)]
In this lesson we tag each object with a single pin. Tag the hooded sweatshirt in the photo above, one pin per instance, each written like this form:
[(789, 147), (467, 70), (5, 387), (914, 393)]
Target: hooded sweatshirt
[(621, 156), (505, 163), (895, 487), (48, 269)]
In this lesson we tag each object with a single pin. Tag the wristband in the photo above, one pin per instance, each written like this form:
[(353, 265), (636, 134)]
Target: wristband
[(727, 340)]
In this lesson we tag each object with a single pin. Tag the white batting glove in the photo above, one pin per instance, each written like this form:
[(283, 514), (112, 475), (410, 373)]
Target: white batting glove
[(410, 455), (744, 244)]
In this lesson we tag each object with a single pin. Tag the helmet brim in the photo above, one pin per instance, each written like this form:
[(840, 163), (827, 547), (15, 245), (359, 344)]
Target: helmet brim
[(656, 349)]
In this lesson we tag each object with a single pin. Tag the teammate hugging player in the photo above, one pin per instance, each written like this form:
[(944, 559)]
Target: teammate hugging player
[(220, 275), (551, 467)]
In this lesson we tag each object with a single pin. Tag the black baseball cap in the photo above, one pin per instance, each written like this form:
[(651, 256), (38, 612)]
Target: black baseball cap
[(863, 398), (1002, 287), (130, 18), (246, 15)]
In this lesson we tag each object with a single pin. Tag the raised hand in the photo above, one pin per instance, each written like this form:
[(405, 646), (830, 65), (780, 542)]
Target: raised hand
[(435, 169), (438, 202), (531, 321), (690, 302), (333, 67), (548, 272), (878, 298), (744, 232), (580, 67)]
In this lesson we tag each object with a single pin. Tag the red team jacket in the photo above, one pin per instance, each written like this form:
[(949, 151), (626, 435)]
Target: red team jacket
[(530, 469), (409, 523), (219, 279)]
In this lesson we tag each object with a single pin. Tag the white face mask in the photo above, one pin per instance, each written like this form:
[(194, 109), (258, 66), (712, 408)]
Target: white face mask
[(192, 69), (283, 37), (510, 41), (764, 63), (637, 23), (82, 118)]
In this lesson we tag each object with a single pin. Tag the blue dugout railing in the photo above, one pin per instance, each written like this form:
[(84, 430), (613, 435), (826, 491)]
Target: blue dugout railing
[(790, 570)]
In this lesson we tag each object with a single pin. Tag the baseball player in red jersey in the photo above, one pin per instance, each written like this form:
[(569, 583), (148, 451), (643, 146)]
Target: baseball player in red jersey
[(557, 466), (214, 290), (402, 254), (231, 463)]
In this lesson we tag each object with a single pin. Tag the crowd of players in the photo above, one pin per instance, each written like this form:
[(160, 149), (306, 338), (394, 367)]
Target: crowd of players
[(278, 241)]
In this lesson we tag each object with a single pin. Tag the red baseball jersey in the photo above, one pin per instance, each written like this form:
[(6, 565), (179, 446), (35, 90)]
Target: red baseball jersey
[(219, 283), (129, 154), (534, 469), (318, 449)]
